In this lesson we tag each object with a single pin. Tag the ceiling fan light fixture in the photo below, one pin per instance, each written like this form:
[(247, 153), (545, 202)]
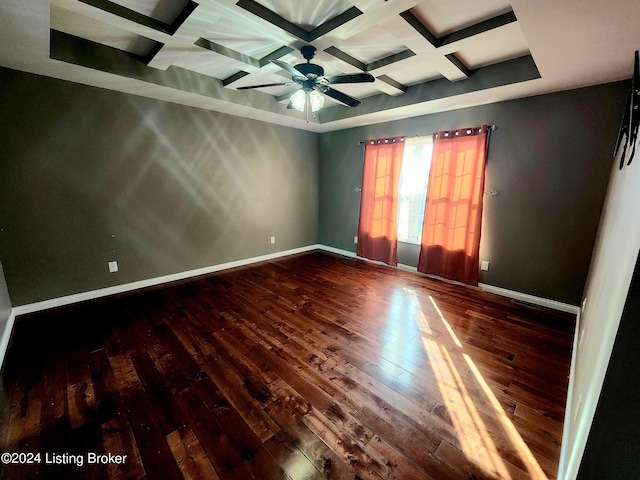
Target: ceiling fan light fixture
[(298, 100), (316, 100), (309, 76)]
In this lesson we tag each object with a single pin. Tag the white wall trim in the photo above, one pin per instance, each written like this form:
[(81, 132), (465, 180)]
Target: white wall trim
[(525, 297), (568, 409), (339, 251), (127, 287), (503, 292), (6, 335)]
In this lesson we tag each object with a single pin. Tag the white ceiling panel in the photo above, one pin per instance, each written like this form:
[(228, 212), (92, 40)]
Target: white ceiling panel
[(413, 70), (371, 45), (442, 18), (164, 10), (80, 26), (494, 46), (237, 34), (307, 14), (523, 48), (208, 63)]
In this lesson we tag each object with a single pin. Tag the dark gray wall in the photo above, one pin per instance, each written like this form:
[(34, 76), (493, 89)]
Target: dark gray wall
[(550, 160), (89, 175), (613, 447)]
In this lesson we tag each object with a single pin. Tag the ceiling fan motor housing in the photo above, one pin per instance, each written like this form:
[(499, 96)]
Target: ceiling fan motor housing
[(310, 70), (308, 52), (311, 79)]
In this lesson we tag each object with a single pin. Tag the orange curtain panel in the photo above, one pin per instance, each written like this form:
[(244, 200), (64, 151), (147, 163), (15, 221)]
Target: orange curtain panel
[(453, 212), (377, 230)]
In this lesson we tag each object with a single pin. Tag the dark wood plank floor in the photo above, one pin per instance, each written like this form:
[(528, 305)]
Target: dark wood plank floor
[(311, 366)]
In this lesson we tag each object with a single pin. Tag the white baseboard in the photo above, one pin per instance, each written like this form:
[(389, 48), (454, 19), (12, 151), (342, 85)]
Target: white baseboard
[(6, 335), (525, 297), (339, 251), (151, 282), (127, 287)]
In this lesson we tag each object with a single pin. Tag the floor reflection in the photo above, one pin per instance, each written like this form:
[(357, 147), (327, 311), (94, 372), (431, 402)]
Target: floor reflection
[(418, 337), (404, 321)]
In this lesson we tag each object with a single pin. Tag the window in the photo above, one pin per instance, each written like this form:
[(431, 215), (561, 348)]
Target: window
[(412, 196)]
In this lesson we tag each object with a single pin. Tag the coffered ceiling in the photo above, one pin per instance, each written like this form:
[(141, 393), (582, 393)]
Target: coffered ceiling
[(426, 55)]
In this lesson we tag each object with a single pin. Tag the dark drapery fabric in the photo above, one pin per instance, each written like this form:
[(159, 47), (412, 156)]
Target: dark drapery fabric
[(450, 246), (377, 229)]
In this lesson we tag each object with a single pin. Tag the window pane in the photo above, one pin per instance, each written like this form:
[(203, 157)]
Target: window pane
[(414, 178)]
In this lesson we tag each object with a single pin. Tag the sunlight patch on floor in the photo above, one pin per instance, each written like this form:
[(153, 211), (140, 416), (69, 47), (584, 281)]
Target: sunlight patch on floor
[(399, 353), (464, 414), (523, 450), (446, 324), (411, 331)]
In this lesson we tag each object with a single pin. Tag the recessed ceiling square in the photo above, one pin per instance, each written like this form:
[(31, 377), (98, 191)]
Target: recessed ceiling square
[(235, 34), (209, 64), (414, 70), (307, 14), (442, 18), (88, 28), (494, 46), (358, 90), (371, 45), (163, 10)]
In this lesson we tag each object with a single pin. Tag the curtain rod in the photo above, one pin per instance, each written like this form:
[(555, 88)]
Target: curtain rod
[(491, 128)]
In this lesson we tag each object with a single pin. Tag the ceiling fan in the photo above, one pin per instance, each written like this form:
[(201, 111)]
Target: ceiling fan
[(313, 82)]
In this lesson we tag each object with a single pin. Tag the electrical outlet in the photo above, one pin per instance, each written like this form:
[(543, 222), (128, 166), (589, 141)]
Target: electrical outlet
[(484, 265), (113, 267), (355, 239), (273, 240)]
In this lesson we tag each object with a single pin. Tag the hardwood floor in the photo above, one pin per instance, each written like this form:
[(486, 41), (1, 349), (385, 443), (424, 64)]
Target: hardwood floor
[(311, 366)]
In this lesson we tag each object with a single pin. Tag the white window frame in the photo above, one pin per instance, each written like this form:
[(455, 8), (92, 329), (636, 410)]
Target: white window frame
[(412, 190)]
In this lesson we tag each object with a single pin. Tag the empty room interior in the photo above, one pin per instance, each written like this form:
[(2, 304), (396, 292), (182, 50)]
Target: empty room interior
[(337, 239)]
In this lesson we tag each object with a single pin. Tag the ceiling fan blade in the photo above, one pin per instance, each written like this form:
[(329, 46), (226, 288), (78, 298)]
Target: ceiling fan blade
[(341, 97), (351, 78), (290, 69), (288, 84)]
